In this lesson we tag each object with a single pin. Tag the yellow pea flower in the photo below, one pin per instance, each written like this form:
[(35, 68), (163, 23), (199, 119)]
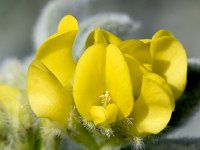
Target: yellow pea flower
[(102, 85), (158, 69), (50, 76), (152, 85), (112, 80)]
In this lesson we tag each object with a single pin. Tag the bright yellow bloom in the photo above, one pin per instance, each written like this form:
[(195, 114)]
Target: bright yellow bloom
[(102, 85), (159, 67), (49, 81), (113, 79)]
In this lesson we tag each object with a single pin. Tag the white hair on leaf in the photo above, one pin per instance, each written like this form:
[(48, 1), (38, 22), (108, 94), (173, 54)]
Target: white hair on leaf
[(118, 23), (123, 27)]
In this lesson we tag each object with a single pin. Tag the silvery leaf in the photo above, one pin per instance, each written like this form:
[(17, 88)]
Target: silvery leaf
[(118, 23)]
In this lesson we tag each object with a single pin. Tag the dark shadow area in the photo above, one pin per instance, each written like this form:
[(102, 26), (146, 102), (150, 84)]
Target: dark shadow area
[(179, 144)]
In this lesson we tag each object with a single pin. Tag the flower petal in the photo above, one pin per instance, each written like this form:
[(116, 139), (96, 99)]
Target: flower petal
[(111, 38), (162, 33), (111, 113), (89, 80), (137, 49), (136, 72), (162, 82), (170, 61), (47, 97), (90, 40), (145, 41), (104, 116), (56, 55), (118, 81), (152, 110), (103, 37), (68, 23), (99, 37), (98, 114)]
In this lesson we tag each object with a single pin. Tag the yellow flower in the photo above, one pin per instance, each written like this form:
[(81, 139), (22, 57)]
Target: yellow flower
[(102, 85), (50, 75), (159, 67), (113, 79), (153, 66)]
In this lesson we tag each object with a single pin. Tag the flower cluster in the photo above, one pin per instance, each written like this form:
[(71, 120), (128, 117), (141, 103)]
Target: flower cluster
[(113, 79)]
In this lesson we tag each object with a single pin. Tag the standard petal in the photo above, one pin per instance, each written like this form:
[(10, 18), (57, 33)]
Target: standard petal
[(56, 55), (145, 41), (68, 23), (118, 81), (89, 80), (90, 40), (103, 37), (152, 110), (137, 49), (99, 37), (162, 33), (170, 61), (47, 96), (111, 38)]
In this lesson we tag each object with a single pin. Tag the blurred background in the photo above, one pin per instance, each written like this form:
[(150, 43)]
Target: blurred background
[(17, 19)]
